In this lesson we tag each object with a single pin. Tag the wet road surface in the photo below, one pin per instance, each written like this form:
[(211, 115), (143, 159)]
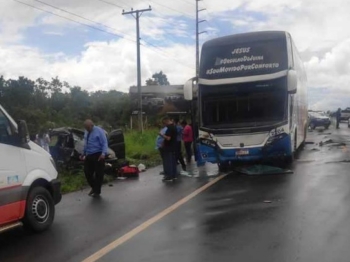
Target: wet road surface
[(302, 216)]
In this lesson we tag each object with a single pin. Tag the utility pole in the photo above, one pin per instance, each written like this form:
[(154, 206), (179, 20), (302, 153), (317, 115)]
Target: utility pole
[(137, 14), (197, 37), (193, 107)]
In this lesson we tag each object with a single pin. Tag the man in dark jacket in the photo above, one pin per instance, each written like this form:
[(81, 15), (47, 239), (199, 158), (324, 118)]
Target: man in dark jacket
[(169, 150), (179, 130)]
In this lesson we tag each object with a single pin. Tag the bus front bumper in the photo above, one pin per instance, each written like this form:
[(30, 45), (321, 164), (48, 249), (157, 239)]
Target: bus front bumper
[(275, 151)]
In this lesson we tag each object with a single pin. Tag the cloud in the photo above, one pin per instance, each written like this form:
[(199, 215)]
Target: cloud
[(101, 66), (317, 28)]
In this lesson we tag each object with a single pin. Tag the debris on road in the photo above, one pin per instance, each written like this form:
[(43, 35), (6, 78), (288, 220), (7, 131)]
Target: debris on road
[(309, 143), (262, 170), (142, 167)]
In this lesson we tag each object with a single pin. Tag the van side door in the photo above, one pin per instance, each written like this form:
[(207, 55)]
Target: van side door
[(12, 173)]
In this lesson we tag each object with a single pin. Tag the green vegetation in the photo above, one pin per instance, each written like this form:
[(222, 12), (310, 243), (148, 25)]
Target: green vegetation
[(50, 104), (75, 180), (72, 181), (140, 148)]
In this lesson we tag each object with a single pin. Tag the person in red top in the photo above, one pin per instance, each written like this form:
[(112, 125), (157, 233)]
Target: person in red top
[(187, 137)]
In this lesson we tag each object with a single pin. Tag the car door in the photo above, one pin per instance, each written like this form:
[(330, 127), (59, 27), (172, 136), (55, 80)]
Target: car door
[(12, 173)]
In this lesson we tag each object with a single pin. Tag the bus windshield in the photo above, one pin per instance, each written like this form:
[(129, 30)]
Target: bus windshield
[(244, 105)]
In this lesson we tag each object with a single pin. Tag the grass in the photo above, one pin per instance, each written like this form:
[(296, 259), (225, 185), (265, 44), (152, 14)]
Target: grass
[(140, 148), (75, 180)]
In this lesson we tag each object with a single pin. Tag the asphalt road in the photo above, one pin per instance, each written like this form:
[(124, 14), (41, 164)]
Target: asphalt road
[(302, 216)]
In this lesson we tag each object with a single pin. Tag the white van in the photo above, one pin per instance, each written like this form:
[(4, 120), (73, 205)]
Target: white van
[(29, 189)]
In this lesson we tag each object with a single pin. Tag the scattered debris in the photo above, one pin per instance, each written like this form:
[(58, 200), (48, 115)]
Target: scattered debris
[(262, 170), (309, 143), (341, 161), (185, 173), (306, 161), (141, 167), (329, 141), (110, 185)]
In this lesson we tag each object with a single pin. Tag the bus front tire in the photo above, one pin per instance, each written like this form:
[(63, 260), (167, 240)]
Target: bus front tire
[(222, 167), (40, 210)]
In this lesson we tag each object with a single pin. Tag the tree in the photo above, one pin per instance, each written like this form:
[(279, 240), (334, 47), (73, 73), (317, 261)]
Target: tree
[(151, 82), (158, 79)]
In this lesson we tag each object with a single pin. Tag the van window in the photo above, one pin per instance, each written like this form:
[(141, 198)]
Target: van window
[(5, 129)]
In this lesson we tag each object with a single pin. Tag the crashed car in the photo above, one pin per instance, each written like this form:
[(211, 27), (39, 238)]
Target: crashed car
[(67, 145), (318, 119)]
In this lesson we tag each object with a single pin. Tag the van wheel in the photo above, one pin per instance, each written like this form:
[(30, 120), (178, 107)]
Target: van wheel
[(40, 210)]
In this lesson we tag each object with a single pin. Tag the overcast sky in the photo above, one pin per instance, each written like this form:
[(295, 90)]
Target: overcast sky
[(38, 44)]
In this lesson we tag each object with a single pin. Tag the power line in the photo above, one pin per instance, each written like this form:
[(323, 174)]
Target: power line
[(110, 3), (74, 14), (190, 3), (159, 14), (148, 45), (72, 20), (172, 9)]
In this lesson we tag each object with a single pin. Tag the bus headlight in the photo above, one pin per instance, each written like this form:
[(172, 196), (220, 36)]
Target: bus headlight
[(273, 139)]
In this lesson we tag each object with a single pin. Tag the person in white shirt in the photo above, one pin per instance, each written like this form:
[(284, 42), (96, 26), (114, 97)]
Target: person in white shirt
[(43, 140)]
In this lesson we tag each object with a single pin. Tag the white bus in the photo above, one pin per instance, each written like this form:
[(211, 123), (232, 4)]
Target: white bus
[(251, 99)]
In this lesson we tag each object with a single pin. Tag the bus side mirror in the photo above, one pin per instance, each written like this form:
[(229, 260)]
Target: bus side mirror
[(23, 132), (188, 90), (292, 81)]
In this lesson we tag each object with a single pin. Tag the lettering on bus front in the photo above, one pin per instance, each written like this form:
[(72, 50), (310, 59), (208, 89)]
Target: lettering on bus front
[(257, 58)]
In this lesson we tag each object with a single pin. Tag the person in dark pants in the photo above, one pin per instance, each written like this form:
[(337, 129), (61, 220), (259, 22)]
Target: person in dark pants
[(338, 117), (187, 136), (169, 150), (159, 146), (95, 151), (179, 130)]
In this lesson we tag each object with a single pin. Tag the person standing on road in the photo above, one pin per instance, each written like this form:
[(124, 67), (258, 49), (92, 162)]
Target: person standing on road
[(169, 150), (179, 130), (43, 140), (95, 151), (187, 136), (338, 117), (160, 145)]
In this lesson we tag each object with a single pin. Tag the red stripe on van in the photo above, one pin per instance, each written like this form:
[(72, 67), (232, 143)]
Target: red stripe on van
[(10, 187), (12, 212)]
